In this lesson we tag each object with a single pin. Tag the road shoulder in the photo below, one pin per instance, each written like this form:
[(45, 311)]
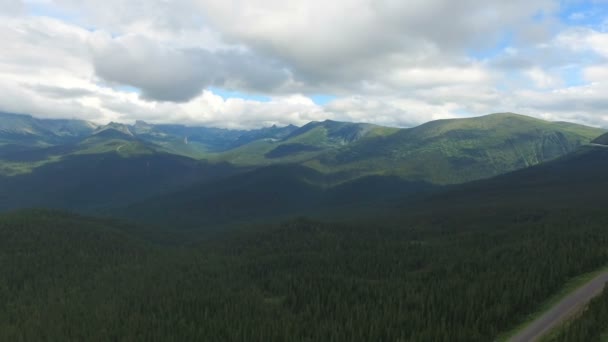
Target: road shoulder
[(570, 287)]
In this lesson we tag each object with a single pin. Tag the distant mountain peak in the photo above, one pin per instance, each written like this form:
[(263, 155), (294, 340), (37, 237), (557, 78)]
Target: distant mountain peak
[(114, 131), (335, 131), (44, 131), (114, 126), (141, 127)]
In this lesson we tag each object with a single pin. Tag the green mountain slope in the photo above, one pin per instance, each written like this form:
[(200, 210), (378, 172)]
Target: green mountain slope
[(116, 138), (303, 144), (27, 130), (460, 150), (112, 139), (27, 142), (574, 182), (441, 152), (115, 166), (200, 141)]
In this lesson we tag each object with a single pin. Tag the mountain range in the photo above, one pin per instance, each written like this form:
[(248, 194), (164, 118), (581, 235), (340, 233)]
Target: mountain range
[(209, 175), (453, 230)]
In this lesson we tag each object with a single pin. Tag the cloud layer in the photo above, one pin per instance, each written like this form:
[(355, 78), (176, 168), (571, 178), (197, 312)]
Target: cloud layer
[(387, 62)]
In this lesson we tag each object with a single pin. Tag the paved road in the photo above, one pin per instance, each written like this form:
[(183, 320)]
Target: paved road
[(562, 310)]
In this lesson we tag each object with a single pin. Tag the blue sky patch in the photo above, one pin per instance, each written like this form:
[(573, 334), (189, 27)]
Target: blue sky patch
[(322, 100)]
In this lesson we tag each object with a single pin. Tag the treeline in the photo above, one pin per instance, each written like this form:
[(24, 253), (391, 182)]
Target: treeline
[(591, 325), (465, 278)]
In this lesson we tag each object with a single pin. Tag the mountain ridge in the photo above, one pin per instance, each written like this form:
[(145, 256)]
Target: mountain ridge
[(437, 153), (457, 150)]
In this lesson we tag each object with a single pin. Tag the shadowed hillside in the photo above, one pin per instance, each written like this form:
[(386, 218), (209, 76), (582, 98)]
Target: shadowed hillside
[(272, 193), (93, 182), (603, 140)]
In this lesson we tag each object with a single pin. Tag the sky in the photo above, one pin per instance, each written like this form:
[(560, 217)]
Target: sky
[(253, 63)]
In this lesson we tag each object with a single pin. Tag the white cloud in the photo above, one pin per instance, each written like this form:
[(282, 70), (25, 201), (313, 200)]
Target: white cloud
[(440, 75), (584, 39), (11, 7), (400, 112), (325, 35), (596, 73), (388, 62), (543, 79), (172, 74)]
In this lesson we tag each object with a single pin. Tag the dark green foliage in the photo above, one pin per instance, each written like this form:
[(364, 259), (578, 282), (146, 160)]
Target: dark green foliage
[(291, 190), (592, 325), (97, 181), (21, 153), (273, 193), (462, 279), (465, 264)]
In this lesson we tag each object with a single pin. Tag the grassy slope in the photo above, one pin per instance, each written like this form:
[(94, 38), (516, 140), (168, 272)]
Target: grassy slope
[(454, 151), (444, 151), (29, 131), (322, 136), (27, 143), (22, 160)]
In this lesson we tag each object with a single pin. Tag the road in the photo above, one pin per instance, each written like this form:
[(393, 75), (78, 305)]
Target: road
[(563, 310)]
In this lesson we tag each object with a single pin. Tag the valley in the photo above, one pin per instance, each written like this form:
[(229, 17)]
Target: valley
[(300, 227), (303, 171), (319, 162)]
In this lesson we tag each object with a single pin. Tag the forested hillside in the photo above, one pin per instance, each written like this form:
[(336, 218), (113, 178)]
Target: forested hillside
[(385, 259), (273, 193), (95, 182), (458, 279)]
